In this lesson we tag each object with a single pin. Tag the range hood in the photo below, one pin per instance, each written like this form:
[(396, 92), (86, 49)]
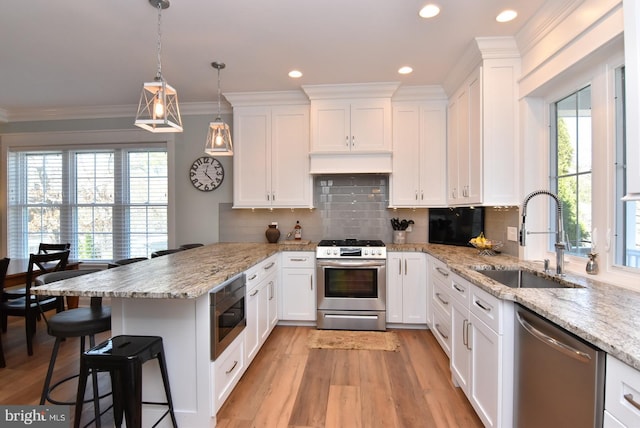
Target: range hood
[(361, 163)]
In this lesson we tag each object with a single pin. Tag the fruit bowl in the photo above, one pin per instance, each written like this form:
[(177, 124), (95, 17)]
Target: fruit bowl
[(487, 247)]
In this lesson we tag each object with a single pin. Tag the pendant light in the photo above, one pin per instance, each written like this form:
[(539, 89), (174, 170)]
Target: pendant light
[(158, 110), (219, 136)]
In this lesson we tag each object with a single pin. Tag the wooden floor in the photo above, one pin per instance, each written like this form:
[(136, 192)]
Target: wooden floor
[(288, 384)]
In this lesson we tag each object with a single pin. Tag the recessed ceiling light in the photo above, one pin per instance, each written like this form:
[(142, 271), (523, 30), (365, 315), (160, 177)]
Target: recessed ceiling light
[(295, 74), (506, 16), (405, 70), (429, 11)]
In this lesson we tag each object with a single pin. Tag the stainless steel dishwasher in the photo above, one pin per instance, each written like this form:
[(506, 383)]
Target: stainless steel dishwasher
[(559, 378)]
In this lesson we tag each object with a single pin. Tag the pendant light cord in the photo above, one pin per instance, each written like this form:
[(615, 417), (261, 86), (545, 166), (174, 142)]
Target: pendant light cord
[(219, 94), (159, 48)]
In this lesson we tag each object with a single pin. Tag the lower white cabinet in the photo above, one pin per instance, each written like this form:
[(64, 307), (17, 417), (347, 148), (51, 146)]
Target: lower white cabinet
[(622, 395), (407, 287), (482, 351), (227, 370), (298, 289), (260, 305)]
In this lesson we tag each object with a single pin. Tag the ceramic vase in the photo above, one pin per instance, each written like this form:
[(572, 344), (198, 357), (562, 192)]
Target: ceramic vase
[(272, 233)]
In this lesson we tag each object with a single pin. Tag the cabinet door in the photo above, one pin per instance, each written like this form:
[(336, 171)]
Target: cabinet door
[(473, 192), (462, 143), (452, 151), (298, 298), (272, 288), (252, 335), (460, 354), (414, 288), (394, 287), (406, 156), (263, 312), (433, 156), (485, 371), (289, 168), (252, 138), (371, 125), (330, 126)]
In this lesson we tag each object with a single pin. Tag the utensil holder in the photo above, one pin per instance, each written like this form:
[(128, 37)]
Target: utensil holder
[(399, 236)]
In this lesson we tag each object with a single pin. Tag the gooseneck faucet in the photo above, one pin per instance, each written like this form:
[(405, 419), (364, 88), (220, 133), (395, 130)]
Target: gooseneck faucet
[(559, 245)]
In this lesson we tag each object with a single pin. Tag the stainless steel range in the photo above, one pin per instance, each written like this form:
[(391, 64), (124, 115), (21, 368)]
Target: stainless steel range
[(352, 284)]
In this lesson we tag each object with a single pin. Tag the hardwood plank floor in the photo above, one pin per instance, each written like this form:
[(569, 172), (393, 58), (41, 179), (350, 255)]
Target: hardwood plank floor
[(287, 385), (290, 385)]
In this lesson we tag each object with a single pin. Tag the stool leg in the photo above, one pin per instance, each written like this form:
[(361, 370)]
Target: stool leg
[(94, 380), (167, 390), (117, 391), (47, 380), (132, 393), (82, 385)]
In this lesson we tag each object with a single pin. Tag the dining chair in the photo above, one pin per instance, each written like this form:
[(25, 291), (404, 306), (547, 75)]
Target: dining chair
[(123, 262), (165, 252), (4, 265), (45, 248), (30, 306), (190, 246)]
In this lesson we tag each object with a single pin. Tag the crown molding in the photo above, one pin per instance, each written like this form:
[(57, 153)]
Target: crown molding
[(419, 93), (245, 99), (351, 90)]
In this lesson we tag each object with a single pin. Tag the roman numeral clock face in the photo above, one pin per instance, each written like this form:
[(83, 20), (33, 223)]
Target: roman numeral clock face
[(206, 173)]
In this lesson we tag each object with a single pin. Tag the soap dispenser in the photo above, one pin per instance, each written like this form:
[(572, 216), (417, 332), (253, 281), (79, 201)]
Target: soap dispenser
[(297, 231)]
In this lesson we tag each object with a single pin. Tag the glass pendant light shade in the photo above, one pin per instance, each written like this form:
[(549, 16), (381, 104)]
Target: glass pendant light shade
[(219, 136), (219, 139), (158, 109)]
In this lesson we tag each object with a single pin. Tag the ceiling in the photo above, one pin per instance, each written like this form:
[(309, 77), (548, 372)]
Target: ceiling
[(67, 54)]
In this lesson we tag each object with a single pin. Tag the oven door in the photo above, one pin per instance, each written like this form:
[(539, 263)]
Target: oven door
[(353, 285)]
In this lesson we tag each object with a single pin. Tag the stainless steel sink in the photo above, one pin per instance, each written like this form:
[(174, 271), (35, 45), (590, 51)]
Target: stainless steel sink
[(525, 279)]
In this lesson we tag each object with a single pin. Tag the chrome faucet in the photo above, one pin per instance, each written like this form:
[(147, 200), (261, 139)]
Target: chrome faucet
[(559, 245)]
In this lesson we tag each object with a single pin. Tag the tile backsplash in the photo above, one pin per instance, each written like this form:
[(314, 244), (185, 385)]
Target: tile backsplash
[(348, 206)]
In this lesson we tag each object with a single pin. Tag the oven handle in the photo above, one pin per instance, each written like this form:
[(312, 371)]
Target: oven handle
[(351, 263)]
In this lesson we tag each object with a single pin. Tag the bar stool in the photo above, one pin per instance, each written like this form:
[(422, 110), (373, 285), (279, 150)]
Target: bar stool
[(123, 357), (79, 322)]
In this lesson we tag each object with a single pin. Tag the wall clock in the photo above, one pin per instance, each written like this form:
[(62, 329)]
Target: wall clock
[(206, 173)]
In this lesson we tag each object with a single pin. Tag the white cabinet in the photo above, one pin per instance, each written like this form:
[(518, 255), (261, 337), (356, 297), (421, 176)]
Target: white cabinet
[(419, 154), (271, 155), (227, 370), (261, 305), (482, 141), (439, 301), (407, 288), (631, 12), (622, 395), (359, 125), (298, 289), (482, 351)]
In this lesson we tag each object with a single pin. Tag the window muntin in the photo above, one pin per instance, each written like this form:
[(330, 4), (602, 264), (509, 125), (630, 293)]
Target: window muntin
[(89, 198), (571, 176)]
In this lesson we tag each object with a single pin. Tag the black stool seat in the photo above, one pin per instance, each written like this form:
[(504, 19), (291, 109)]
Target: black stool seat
[(123, 357), (80, 322)]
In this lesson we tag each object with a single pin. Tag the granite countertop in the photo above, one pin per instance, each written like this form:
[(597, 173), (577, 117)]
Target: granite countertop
[(602, 314)]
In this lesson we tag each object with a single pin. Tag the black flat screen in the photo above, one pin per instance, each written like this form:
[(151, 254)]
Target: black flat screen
[(455, 226)]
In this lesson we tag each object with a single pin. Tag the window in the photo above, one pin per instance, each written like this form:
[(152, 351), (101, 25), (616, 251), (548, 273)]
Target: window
[(571, 169), (109, 204), (627, 237)]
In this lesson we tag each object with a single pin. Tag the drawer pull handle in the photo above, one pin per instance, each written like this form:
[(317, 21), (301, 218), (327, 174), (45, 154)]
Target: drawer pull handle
[(442, 272), (298, 259), (269, 266), (481, 306), (441, 333), (458, 288), (439, 296), (254, 293), (235, 363), (634, 403), (253, 277)]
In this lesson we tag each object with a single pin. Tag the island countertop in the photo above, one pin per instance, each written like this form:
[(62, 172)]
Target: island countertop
[(183, 275)]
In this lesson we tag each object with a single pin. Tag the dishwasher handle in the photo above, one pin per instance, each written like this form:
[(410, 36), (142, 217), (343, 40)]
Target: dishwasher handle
[(554, 343)]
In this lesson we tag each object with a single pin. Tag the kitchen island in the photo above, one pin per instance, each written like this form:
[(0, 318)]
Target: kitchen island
[(168, 296)]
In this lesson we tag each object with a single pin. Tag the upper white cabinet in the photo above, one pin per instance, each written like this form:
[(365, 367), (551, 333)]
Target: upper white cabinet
[(271, 151), (482, 147), (419, 154), (351, 127)]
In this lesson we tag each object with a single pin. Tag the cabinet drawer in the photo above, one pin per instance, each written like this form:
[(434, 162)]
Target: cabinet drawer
[(622, 393), (257, 273), (298, 259), (442, 330), (439, 271), (441, 298), (460, 289), (487, 308), (227, 370)]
